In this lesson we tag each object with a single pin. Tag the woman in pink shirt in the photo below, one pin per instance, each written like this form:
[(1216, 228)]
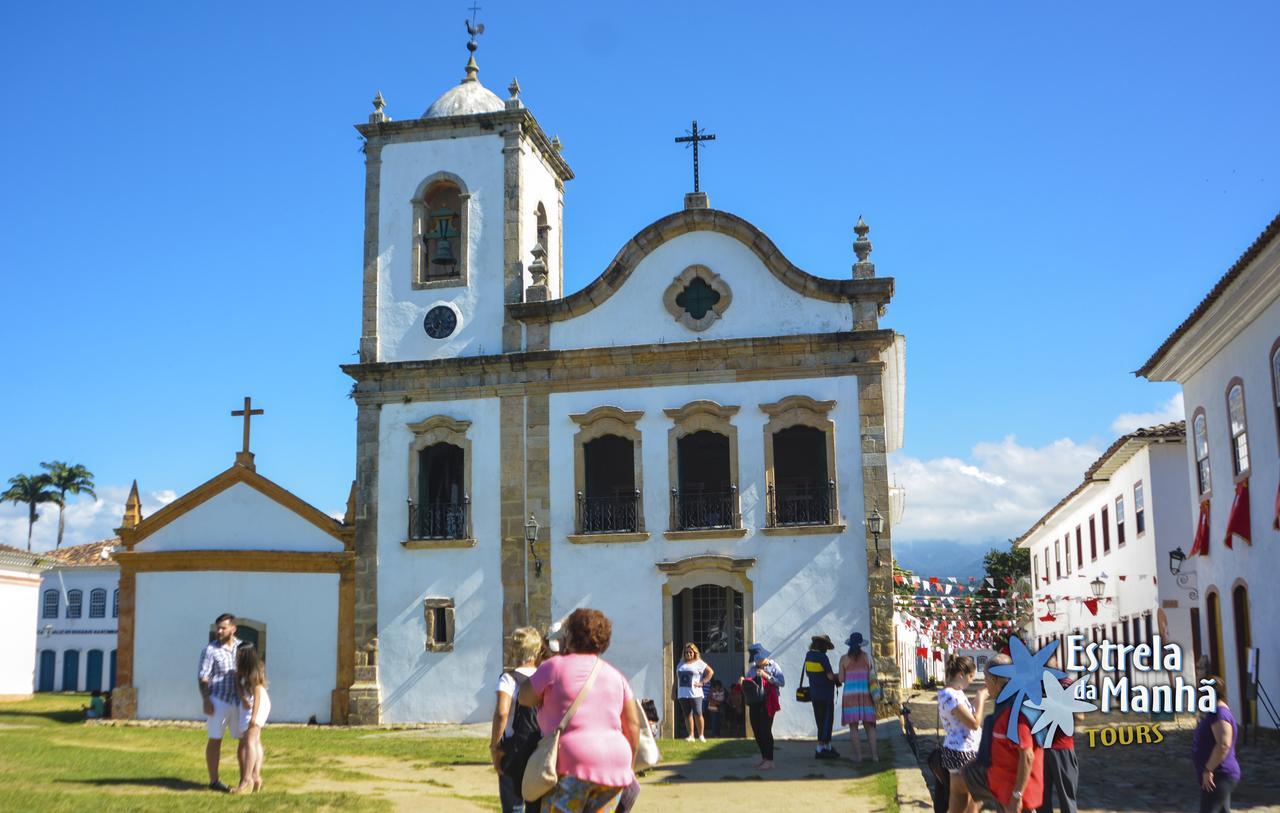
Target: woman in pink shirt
[(597, 749)]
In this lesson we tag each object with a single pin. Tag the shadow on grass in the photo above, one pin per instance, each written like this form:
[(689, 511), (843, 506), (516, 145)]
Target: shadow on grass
[(163, 782), (68, 716)]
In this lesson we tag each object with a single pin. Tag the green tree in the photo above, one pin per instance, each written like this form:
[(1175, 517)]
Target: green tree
[(1010, 570), (31, 490), (68, 479)]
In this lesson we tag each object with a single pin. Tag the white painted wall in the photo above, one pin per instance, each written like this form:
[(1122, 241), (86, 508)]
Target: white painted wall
[(84, 634), (1137, 560), (478, 161), (762, 305), (19, 592), (174, 614), (803, 585), (417, 685), (912, 667), (1246, 356), (240, 518)]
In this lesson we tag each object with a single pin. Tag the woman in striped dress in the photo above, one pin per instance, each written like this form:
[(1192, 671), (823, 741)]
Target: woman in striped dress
[(858, 674)]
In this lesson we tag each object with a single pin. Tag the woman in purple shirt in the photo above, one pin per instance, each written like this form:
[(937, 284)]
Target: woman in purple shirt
[(1213, 752)]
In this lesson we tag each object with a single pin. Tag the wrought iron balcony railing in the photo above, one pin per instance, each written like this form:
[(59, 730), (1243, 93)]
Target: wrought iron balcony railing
[(440, 520), (802, 505), (702, 510), (609, 515)]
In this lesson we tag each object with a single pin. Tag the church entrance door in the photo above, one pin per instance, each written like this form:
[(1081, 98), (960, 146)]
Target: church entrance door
[(710, 616)]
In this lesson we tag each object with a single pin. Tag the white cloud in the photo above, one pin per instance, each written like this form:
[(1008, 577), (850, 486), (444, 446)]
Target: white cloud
[(86, 520), (1171, 410), (995, 495)]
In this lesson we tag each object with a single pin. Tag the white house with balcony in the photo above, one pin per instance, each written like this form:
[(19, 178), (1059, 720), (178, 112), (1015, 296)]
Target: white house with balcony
[(1099, 557), (1226, 356), (77, 619)]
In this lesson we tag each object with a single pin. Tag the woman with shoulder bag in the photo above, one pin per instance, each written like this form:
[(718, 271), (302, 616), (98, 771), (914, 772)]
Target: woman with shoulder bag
[(590, 723), (858, 673), (760, 693), (821, 692), (515, 731)]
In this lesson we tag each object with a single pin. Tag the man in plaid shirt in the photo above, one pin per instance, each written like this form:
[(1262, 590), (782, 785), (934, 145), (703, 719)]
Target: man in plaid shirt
[(217, 678)]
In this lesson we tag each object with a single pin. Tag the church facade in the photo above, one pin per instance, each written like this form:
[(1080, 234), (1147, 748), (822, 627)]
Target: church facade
[(693, 443)]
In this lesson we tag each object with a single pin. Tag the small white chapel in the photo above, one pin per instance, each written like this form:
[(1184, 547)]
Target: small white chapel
[(695, 444)]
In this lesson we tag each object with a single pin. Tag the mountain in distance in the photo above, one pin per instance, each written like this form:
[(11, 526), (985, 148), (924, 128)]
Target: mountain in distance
[(943, 557)]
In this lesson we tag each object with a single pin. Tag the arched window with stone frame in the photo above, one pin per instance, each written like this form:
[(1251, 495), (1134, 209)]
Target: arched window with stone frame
[(1200, 448), (441, 224), (1238, 427), (800, 463), (439, 484), (608, 479), (702, 449)]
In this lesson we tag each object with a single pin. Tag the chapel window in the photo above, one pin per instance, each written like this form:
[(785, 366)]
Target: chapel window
[(607, 475), (609, 501), (442, 508), (75, 603), (1239, 435), (439, 616), (697, 297), (801, 491), (440, 233), (1200, 436), (97, 603), (50, 609), (703, 453)]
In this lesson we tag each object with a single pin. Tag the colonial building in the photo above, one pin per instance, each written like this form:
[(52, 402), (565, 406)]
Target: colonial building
[(692, 443), (79, 607), (19, 595), (1226, 356), (1097, 556)]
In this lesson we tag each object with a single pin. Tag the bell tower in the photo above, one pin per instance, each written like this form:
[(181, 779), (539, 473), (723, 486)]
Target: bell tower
[(463, 216)]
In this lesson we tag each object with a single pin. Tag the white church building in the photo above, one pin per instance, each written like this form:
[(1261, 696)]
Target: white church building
[(693, 444)]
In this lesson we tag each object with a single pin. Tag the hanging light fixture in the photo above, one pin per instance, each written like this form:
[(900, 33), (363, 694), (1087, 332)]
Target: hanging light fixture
[(1176, 559), (1051, 606), (1097, 586), (875, 524), (531, 536)]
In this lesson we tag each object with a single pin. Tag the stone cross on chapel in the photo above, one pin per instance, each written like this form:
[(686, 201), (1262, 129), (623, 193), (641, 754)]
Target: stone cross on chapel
[(244, 457)]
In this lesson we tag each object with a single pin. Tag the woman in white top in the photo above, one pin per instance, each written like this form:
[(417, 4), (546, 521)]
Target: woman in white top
[(691, 675), (508, 749), (963, 725), (255, 704)]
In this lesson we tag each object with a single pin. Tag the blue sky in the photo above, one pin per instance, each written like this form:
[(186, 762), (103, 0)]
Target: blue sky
[(1054, 187)]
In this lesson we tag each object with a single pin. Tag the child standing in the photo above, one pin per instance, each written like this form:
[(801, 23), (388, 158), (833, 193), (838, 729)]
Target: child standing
[(251, 675), (715, 707)]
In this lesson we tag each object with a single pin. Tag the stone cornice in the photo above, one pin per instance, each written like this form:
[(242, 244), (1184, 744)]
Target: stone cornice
[(726, 360), (392, 132), (876, 289)]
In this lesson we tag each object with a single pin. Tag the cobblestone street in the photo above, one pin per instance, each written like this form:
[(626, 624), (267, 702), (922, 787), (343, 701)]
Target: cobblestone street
[(1153, 777)]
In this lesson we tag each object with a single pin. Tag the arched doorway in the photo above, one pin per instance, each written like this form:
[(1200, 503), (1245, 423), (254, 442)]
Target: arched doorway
[(93, 670), (249, 631), (48, 671), (1244, 640), (70, 670), (1215, 633), (708, 600)]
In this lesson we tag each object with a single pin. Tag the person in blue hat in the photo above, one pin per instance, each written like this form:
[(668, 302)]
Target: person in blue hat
[(760, 692), (858, 705)]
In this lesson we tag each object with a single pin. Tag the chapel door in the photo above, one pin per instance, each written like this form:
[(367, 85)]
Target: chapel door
[(48, 671), (710, 616), (93, 671), (70, 670), (1244, 640)]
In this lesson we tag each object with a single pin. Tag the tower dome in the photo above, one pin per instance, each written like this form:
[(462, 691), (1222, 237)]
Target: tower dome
[(465, 98)]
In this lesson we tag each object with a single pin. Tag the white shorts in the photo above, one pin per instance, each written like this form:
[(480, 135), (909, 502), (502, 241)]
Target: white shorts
[(225, 716)]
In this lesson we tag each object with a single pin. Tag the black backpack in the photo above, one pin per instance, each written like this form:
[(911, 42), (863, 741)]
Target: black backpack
[(753, 690), (525, 733)]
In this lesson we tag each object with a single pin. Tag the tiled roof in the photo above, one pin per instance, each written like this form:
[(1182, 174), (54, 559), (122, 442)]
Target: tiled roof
[(1176, 430), (88, 555), (1271, 232), (17, 557)]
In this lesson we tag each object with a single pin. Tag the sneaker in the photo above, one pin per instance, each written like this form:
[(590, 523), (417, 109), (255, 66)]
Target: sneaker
[(833, 753), (823, 754), (702, 739), (221, 787), (689, 738)]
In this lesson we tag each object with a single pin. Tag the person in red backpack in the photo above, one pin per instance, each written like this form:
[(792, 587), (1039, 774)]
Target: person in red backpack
[(760, 692)]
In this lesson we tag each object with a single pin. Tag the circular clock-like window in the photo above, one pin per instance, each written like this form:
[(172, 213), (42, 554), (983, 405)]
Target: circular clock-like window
[(441, 321)]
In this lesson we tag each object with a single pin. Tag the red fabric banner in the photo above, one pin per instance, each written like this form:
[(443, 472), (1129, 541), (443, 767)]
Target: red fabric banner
[(1201, 545), (1092, 605), (1238, 522), (922, 652)]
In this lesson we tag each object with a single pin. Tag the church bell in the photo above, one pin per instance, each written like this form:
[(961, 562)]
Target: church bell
[(444, 230)]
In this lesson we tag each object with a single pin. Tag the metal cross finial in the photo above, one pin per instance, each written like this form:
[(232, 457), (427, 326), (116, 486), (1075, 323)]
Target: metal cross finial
[(694, 137), (473, 28), (248, 412)]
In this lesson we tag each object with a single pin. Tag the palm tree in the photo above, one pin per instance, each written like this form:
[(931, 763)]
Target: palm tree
[(67, 479), (31, 490)]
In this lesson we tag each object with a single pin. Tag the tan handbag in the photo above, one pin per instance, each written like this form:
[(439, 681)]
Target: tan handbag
[(540, 775), (647, 754)]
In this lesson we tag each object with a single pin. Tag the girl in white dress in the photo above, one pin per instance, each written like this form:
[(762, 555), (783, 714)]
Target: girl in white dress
[(251, 677)]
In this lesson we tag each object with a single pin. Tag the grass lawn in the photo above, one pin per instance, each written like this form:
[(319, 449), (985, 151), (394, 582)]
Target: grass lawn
[(50, 760)]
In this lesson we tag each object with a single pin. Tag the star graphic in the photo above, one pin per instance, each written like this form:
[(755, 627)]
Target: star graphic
[(1023, 678), (1057, 707)]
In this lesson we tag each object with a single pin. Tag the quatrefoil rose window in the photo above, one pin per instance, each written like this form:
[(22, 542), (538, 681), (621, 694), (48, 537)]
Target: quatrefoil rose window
[(697, 297)]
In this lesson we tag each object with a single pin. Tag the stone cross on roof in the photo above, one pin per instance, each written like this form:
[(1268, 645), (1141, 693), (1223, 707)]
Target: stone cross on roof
[(244, 457)]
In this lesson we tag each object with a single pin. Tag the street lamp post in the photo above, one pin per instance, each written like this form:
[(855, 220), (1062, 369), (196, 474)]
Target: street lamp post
[(875, 524)]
